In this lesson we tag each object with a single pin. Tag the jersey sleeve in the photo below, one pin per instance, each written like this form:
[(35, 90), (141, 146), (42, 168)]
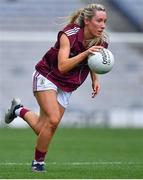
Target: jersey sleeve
[(105, 42), (71, 32)]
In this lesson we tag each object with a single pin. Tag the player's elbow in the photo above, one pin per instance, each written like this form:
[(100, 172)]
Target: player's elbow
[(62, 69)]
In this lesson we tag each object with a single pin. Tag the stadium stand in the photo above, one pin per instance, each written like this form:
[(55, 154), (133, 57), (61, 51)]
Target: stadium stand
[(132, 9), (34, 14), (120, 89)]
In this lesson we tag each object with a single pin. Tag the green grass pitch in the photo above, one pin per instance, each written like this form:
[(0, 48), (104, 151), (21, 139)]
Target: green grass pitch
[(74, 154)]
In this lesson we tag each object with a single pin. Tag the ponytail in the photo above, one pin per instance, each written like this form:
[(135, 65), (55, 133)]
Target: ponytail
[(75, 15)]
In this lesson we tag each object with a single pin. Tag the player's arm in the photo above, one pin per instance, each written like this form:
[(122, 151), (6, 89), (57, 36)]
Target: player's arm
[(95, 84), (65, 63)]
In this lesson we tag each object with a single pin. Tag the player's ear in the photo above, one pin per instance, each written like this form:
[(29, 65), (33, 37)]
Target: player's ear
[(86, 21)]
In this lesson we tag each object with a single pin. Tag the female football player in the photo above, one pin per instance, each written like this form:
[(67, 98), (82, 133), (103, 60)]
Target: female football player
[(61, 71)]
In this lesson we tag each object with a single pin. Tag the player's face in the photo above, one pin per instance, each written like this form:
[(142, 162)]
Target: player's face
[(97, 24)]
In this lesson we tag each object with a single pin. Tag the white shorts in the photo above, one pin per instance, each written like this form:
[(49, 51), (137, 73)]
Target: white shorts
[(40, 83)]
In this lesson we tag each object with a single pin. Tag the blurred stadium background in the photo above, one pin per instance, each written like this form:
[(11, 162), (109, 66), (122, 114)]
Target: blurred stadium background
[(29, 27)]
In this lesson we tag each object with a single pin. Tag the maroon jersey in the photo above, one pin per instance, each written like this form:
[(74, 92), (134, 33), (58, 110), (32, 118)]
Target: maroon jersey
[(48, 66)]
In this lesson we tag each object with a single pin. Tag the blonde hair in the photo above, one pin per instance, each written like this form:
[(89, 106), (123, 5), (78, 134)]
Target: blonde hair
[(88, 12)]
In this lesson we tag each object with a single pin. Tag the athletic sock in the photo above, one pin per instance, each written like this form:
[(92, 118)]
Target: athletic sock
[(21, 112), (39, 156)]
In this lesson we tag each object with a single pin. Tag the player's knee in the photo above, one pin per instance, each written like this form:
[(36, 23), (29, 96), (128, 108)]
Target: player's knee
[(53, 121)]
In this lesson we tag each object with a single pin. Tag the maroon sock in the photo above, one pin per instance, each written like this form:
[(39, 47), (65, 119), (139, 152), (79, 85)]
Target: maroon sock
[(39, 156), (23, 112)]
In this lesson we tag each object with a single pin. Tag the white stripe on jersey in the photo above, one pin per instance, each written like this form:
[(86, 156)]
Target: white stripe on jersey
[(72, 31)]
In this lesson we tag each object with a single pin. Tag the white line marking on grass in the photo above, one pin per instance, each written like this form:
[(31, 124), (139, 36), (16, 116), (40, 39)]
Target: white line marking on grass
[(73, 163)]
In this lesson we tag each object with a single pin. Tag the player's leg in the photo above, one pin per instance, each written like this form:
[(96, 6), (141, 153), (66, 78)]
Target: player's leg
[(30, 117), (40, 83), (33, 121), (51, 113)]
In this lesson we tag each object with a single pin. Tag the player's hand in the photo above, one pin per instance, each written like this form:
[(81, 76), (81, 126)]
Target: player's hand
[(94, 49), (96, 88)]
